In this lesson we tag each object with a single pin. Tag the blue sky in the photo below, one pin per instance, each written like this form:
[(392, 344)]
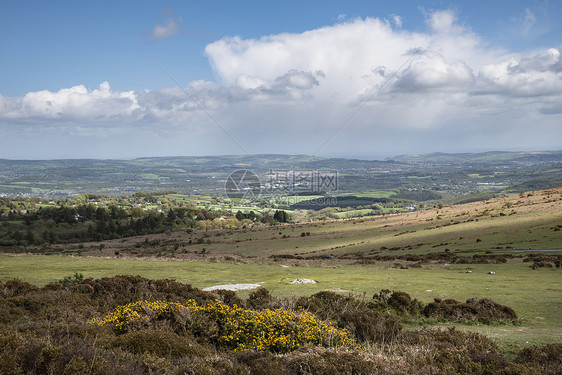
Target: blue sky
[(78, 79)]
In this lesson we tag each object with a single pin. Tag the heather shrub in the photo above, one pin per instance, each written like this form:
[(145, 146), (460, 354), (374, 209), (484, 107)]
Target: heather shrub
[(399, 301), (67, 281), (449, 339), (56, 306), (120, 290), (363, 321), (11, 353), (369, 325), (260, 299), (547, 358), (262, 363), (453, 352), (159, 343), (26, 354), (17, 287), (324, 361), (83, 298), (487, 259), (228, 297), (542, 258), (540, 264), (484, 310)]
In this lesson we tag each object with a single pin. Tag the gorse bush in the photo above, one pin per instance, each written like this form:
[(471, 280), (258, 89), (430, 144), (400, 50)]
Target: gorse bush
[(279, 331)]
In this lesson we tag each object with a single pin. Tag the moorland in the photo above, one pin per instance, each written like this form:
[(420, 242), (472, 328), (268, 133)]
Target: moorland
[(462, 281)]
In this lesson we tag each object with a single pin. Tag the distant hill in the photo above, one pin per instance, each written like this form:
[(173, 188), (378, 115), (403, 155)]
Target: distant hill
[(492, 157), (446, 174)]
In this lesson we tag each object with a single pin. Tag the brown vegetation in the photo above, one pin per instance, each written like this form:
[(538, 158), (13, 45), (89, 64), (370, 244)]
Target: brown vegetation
[(46, 331)]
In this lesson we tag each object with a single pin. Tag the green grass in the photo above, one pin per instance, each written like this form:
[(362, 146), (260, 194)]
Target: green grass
[(369, 194), (534, 294), (433, 230), (353, 213), (293, 199)]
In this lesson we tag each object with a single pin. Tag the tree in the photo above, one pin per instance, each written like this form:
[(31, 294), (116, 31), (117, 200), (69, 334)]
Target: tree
[(281, 216), (240, 216)]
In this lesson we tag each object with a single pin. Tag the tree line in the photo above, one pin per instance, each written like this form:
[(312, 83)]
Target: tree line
[(88, 222)]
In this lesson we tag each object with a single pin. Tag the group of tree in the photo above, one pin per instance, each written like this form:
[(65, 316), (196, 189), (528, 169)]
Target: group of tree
[(88, 222)]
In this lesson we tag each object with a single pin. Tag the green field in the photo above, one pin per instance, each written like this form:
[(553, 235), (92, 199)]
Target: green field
[(371, 194)]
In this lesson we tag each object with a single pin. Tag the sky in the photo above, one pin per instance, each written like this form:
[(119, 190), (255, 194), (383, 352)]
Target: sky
[(355, 79)]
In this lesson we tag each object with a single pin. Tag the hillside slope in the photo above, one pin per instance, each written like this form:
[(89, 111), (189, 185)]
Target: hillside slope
[(522, 222)]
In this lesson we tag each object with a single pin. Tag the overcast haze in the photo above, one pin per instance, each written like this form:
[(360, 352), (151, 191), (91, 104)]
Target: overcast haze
[(362, 80)]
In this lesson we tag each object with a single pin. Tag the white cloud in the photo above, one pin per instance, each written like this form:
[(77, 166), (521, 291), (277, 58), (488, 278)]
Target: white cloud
[(397, 20), (345, 54), (443, 21), (533, 76), (548, 60), (529, 21), (453, 87), (250, 82), (432, 72), (169, 28), (74, 103)]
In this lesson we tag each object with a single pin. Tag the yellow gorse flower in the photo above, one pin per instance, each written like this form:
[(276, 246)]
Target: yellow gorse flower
[(274, 330)]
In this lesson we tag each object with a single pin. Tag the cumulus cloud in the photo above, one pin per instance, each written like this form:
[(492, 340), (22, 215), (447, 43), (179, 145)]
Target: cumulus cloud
[(357, 56), (443, 21), (548, 60), (450, 82), (537, 75), (345, 54), (74, 103), (166, 30), (291, 83), (433, 72)]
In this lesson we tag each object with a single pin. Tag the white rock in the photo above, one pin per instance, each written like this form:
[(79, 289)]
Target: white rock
[(233, 287), (303, 281)]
